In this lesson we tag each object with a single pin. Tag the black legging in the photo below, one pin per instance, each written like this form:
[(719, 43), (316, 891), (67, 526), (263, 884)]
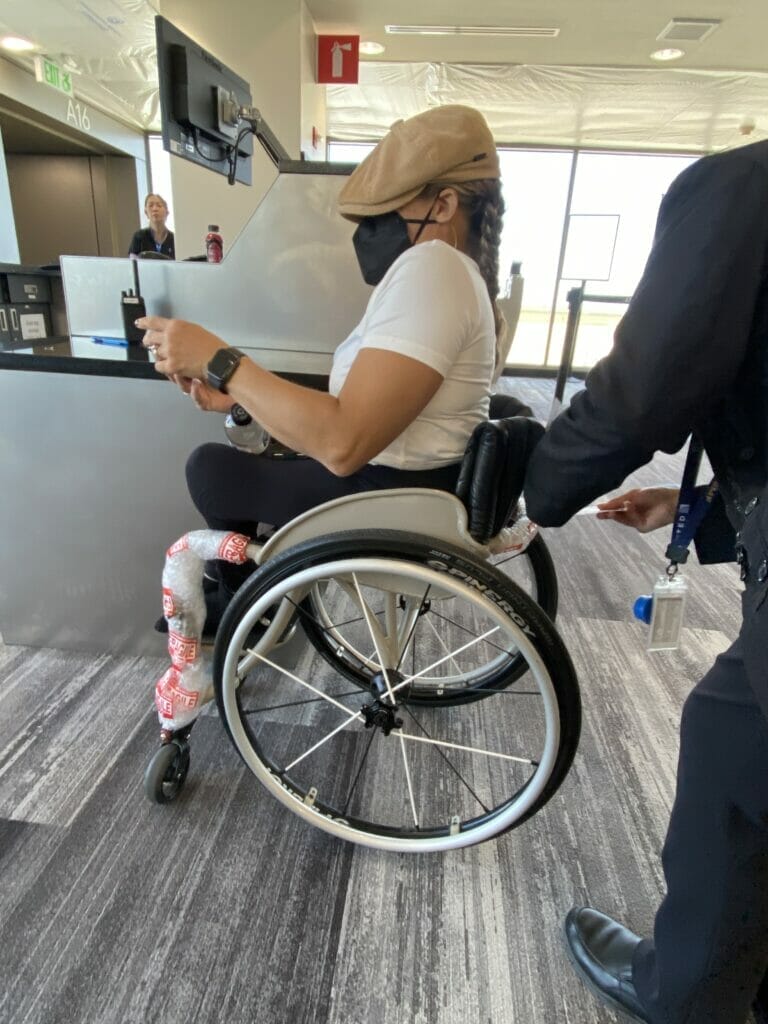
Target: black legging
[(235, 490)]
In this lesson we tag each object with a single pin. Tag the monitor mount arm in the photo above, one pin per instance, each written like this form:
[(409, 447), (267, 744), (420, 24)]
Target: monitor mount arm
[(237, 122)]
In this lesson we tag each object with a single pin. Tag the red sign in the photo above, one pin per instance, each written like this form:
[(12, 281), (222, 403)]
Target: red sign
[(338, 58)]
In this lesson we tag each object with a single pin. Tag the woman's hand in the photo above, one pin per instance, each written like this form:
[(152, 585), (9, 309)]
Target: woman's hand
[(209, 399), (182, 349), (643, 509)]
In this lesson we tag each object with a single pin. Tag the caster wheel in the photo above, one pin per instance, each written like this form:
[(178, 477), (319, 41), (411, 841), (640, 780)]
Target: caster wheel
[(166, 772)]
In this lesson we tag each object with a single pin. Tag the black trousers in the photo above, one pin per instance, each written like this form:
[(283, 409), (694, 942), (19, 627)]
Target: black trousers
[(236, 490), (709, 952)]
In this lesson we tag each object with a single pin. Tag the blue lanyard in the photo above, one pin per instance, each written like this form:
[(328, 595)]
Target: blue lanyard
[(692, 505)]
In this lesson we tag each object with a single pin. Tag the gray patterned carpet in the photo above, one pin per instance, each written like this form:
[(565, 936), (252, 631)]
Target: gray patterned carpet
[(223, 907)]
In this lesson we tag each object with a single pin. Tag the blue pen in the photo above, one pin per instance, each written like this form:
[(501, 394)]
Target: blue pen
[(120, 342)]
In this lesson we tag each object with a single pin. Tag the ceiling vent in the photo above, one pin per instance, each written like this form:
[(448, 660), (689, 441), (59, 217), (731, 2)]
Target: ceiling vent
[(688, 30)]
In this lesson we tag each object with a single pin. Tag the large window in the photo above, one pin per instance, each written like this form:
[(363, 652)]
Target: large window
[(629, 187), (621, 190), (535, 195)]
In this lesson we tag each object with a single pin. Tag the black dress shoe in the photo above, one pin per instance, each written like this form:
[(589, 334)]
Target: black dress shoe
[(601, 950)]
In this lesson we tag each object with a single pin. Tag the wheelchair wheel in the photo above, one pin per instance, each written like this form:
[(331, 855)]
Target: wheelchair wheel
[(370, 763), (166, 773), (342, 637)]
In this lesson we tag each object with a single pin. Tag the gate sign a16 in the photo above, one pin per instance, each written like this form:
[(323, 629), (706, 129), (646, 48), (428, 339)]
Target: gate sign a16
[(337, 59)]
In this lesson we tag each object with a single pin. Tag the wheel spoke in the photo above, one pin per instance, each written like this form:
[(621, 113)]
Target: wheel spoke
[(440, 661), (402, 737), (298, 703), (391, 695), (465, 629), (442, 643), (363, 759), (302, 682), (325, 739), (448, 761), (471, 750)]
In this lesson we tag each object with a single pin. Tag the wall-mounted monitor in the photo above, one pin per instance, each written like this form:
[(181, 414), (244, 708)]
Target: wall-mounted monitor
[(197, 95)]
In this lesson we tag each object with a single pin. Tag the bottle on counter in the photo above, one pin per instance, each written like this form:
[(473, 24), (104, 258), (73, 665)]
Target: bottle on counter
[(214, 244), (244, 432)]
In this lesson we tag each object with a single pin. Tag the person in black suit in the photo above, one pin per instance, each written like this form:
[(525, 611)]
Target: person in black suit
[(156, 238), (690, 357)]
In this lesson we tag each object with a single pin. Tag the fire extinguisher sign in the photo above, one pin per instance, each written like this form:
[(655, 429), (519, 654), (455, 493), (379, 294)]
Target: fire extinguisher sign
[(338, 58)]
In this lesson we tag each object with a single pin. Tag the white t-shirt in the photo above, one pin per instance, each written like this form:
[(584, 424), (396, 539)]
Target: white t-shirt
[(431, 305)]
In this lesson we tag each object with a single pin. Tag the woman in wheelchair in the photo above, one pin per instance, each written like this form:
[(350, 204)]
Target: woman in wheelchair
[(371, 740), (412, 380)]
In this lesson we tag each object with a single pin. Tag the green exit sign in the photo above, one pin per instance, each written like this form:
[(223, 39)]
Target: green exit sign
[(49, 72)]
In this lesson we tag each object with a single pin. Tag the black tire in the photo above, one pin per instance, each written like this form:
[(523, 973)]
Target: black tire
[(456, 571), (166, 773), (539, 565)]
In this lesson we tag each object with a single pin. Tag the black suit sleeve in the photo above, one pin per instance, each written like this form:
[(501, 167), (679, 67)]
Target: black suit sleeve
[(135, 247), (677, 349)]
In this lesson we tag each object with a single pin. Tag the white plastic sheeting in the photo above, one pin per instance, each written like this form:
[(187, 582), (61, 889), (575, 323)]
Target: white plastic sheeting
[(108, 48), (618, 108)]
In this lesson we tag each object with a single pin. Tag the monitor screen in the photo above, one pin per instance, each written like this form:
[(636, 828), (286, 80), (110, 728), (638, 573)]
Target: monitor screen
[(197, 97)]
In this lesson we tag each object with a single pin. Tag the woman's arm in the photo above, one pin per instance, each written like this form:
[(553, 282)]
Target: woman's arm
[(383, 393)]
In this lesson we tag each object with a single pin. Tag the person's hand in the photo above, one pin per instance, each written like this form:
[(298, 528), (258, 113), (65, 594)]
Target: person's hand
[(182, 349), (209, 399), (204, 396), (643, 509)]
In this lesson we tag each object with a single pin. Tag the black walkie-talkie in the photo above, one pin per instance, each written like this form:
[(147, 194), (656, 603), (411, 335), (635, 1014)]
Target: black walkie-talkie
[(132, 307)]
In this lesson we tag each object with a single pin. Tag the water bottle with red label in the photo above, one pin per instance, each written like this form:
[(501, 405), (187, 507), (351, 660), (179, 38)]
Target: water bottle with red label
[(214, 244)]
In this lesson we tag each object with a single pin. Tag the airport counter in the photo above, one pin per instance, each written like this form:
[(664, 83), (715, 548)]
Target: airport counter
[(93, 444)]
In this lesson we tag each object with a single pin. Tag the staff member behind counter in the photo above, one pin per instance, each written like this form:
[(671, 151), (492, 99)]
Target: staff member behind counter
[(156, 238), (411, 381)]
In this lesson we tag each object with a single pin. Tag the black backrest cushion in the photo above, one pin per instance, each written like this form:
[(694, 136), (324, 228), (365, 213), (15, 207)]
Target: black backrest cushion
[(493, 470)]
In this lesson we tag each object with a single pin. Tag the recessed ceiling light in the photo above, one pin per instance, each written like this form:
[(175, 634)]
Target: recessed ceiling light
[(17, 44), (371, 49), (672, 53), (472, 30)]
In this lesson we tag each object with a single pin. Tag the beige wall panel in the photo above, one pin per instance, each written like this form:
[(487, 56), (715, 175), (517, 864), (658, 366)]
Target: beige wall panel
[(123, 196), (53, 207)]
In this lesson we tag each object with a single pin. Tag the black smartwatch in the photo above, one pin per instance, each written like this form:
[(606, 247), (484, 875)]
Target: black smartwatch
[(224, 363)]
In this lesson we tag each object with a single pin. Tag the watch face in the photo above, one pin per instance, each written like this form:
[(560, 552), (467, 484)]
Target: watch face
[(222, 366)]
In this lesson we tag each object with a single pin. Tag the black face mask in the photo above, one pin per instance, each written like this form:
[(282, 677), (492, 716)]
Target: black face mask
[(378, 241)]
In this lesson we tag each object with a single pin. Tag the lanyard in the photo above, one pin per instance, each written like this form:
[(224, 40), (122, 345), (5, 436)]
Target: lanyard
[(692, 505)]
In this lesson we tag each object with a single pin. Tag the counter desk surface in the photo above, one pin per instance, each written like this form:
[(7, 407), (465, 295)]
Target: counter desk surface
[(92, 457), (108, 357)]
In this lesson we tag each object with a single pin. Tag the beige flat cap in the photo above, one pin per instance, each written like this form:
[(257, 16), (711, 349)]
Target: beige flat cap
[(446, 144)]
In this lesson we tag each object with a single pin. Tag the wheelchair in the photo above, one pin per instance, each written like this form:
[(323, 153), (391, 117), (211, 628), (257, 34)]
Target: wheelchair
[(392, 686)]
